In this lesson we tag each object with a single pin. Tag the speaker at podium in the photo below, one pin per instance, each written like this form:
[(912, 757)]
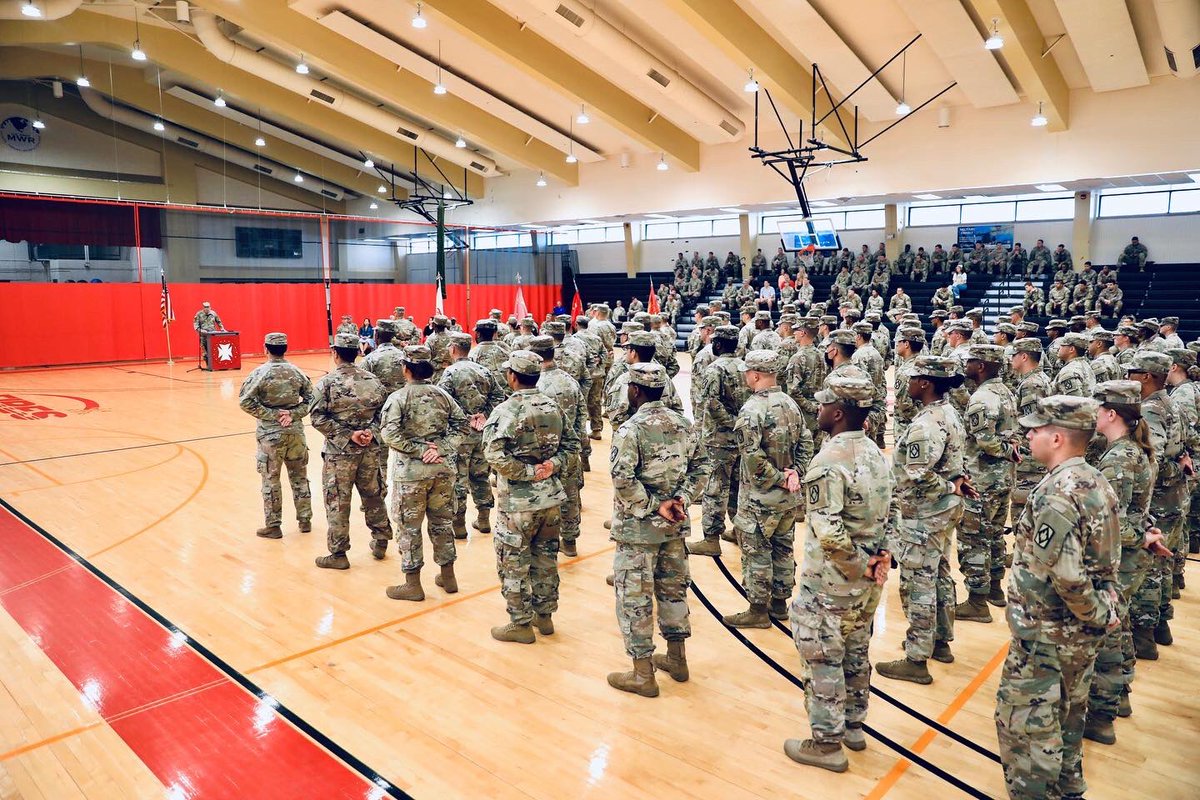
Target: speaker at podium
[(221, 350)]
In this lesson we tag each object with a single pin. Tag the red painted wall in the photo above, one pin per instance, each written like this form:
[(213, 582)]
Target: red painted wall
[(45, 324)]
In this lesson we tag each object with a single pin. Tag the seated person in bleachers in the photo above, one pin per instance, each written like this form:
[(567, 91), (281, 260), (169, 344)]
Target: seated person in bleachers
[(729, 294), (681, 265), (695, 287), (1058, 300), (938, 260), (841, 284), (880, 251), (766, 295), (1081, 297), (901, 304), (758, 264), (860, 276), (697, 262), (875, 302), (920, 267), (1062, 258), (976, 259), (712, 276), (779, 263), (853, 301), (787, 293), (1018, 261), (955, 258), (711, 263), (958, 282), (804, 295), (618, 312), (1087, 275), (745, 295), (1035, 299), (733, 266), (1111, 299), (881, 276), (943, 298), (1040, 259), (997, 263), (905, 261), (1134, 255), (636, 306), (1105, 275), (681, 282)]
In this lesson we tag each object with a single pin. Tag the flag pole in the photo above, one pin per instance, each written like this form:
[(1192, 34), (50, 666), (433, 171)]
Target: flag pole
[(169, 361)]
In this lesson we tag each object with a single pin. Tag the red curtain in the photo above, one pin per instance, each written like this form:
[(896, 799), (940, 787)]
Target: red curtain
[(64, 222), (122, 322)]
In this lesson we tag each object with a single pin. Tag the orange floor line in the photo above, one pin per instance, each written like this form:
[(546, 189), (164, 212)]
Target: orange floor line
[(58, 737), (53, 480), (390, 623), (901, 766)]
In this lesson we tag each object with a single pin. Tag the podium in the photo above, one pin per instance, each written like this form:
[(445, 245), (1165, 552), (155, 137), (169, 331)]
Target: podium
[(221, 350)]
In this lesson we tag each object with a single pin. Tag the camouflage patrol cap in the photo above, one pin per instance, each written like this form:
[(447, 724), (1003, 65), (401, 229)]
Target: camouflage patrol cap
[(911, 334), (525, 362), (808, 323), (702, 308), (630, 327), (873, 316), (1149, 361), (1007, 328), (1182, 357), (763, 315), (768, 361), (495, 312), (956, 309), (603, 307), (1017, 310), (512, 319), (728, 332), (1101, 335), (563, 318), (1118, 393), (1078, 341), (206, 304), (1028, 327), (1150, 323), (844, 388), (788, 308), (416, 353), (935, 367), (960, 326), (975, 313), (842, 336), (852, 315), (440, 321), (787, 319), (582, 319), (540, 343), (554, 327), (1170, 321), (1056, 323), (710, 321), (862, 328), (1091, 315), (826, 319), (939, 313), (751, 310), (398, 311), (723, 316), (346, 340), (1078, 319), (642, 318), (1063, 411), (460, 339), (275, 339), (649, 374), (1027, 345), (818, 309), (386, 326), (643, 339), (909, 315), (1194, 346), (486, 324), (987, 353)]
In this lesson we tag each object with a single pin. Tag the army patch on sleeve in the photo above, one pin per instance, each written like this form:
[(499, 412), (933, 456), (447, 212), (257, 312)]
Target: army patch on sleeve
[(1043, 536), (916, 452), (612, 454), (1070, 385), (975, 418), (1052, 524)]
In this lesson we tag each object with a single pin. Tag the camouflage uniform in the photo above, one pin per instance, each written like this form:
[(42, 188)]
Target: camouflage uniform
[(1075, 377), (722, 397), (848, 489), (652, 461), (1030, 471), (525, 430), (347, 400), (771, 438), (385, 362), (594, 394), (1134, 254), (492, 355), (1064, 561), (271, 388), (929, 457), (560, 387), (438, 343), (475, 390), (991, 426), (415, 417), (805, 374)]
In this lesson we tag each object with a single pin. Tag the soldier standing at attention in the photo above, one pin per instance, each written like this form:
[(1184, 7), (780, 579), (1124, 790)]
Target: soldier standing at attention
[(774, 448), (438, 342), (385, 362), (910, 341), (1032, 385), (931, 483), (640, 349), (1104, 365), (1128, 466), (848, 488), (475, 390), (560, 387), (527, 442), (277, 394), (423, 426), (1062, 598), (345, 409), (991, 426), (598, 355), (656, 477), (1075, 376), (722, 398)]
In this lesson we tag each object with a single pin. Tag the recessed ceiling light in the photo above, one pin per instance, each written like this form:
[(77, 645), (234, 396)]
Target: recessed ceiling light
[(732, 210), (1050, 187), (821, 204), (928, 196)]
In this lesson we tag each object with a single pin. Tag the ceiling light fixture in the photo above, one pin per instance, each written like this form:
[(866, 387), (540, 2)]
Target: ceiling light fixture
[(37, 123), (1050, 187), (439, 87), (903, 108), (299, 178), (82, 81), (302, 67), (582, 118), (30, 9), (374, 205), (382, 189), (995, 41), (572, 158), (219, 101), (368, 163), (419, 21), (158, 125), (460, 142), (1039, 119), (662, 165), (541, 181), (928, 196), (137, 53), (751, 85), (732, 210), (260, 142)]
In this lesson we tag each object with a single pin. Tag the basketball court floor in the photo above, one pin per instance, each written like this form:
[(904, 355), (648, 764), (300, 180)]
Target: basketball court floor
[(151, 646)]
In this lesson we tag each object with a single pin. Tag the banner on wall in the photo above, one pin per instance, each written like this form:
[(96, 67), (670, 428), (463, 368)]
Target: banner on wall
[(988, 235)]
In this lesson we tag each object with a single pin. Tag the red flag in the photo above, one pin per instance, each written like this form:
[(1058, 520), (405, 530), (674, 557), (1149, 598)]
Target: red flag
[(577, 301), (164, 304), (652, 304), (519, 309)]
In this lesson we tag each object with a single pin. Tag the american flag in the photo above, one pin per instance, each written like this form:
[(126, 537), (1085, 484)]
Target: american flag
[(164, 304)]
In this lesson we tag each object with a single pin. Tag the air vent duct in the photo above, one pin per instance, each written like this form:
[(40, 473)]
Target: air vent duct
[(1179, 23)]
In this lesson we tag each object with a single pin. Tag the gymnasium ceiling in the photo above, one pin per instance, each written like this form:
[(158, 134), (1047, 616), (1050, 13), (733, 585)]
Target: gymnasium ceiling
[(519, 72)]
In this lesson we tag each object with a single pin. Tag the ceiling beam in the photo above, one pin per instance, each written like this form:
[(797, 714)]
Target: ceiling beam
[(130, 88), (728, 26), (1102, 34), (1023, 50), (330, 52), (493, 29), (181, 54)]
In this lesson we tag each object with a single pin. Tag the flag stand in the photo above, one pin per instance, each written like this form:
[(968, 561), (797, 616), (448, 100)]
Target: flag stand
[(169, 361)]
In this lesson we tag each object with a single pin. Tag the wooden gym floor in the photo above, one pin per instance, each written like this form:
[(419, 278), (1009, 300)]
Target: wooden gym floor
[(204, 662)]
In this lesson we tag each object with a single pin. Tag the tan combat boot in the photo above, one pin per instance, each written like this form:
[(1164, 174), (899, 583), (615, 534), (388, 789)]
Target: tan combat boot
[(446, 579), (974, 609), (1099, 730), (674, 663), (855, 739), (512, 632), (611, 579), (568, 548), (460, 524), (942, 652), (269, 532), (824, 755), (639, 681), (333, 561), (305, 525), (585, 463), (754, 617), (1125, 708), (1144, 646), (1162, 633), (779, 609), (996, 594), (707, 547), (905, 669), (482, 523), (409, 590), (729, 535), (543, 624), (379, 549)]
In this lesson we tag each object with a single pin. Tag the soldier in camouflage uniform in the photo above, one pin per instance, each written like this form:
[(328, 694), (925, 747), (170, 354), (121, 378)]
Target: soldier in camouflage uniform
[(528, 443), (722, 397), (805, 372), (1125, 341), (667, 355), (347, 325), (848, 488), (345, 409), (1128, 466), (385, 362), (931, 483), (406, 329), (490, 353), (1032, 385), (641, 349), (787, 342), (1075, 376), (1062, 598), (656, 477), (571, 356), (763, 336), (1039, 260), (958, 346), (424, 427), (1104, 365), (206, 320), (594, 395), (1152, 611), (1185, 399), (774, 448), (438, 342), (991, 426), (277, 394), (867, 357), (475, 390), (909, 344), (1134, 254), (701, 360)]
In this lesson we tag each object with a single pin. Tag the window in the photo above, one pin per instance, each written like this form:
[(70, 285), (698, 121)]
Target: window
[(268, 243), (58, 252), (661, 230), (564, 237), (933, 215), (614, 233), (591, 235), (988, 212), (1134, 205), (727, 227), (1035, 210), (483, 243), (1185, 202), (859, 220), (100, 252), (509, 240), (693, 228)]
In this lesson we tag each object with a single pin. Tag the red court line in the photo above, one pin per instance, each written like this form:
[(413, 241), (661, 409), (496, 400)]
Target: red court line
[(201, 733)]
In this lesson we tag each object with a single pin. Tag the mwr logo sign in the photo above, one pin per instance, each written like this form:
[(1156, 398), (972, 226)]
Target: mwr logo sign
[(60, 405), (19, 134)]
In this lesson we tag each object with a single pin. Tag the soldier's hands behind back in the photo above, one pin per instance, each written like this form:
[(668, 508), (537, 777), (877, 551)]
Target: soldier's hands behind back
[(543, 471), (964, 487), (1154, 543), (878, 566)]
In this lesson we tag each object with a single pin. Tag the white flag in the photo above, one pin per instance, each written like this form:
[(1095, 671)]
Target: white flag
[(519, 310), (437, 297)]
